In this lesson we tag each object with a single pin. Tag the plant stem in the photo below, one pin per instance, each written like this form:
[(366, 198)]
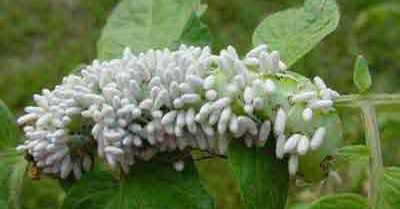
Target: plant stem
[(372, 99), (376, 168)]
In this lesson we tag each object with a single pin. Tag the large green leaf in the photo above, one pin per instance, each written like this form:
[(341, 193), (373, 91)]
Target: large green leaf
[(294, 32), (144, 24), (390, 188), (340, 201), (263, 179), (150, 185)]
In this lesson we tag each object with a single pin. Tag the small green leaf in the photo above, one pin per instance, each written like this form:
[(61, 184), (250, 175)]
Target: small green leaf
[(362, 77), (263, 179), (150, 185), (144, 24), (340, 201), (390, 188), (296, 31)]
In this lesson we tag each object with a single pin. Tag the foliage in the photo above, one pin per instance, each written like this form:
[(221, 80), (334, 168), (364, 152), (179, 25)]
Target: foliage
[(341, 201), (7, 164), (263, 179), (152, 185), (9, 132), (391, 188), (353, 153), (295, 32), (143, 25), (195, 32), (11, 166)]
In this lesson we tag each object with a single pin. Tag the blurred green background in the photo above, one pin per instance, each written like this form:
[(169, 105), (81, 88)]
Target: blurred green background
[(43, 40)]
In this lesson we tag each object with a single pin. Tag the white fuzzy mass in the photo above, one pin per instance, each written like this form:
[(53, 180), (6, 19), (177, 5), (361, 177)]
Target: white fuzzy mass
[(162, 100)]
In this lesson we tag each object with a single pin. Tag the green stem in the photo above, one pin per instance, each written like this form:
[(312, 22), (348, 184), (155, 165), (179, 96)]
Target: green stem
[(376, 168), (355, 100)]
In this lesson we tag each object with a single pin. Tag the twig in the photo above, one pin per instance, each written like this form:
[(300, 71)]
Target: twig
[(354, 100), (210, 157)]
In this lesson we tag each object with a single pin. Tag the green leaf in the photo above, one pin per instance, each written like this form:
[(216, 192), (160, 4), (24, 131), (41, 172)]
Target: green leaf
[(18, 190), (299, 206), (217, 179), (12, 166), (144, 24), (355, 157), (150, 185), (353, 153), (340, 201), (6, 165), (44, 193), (296, 31), (390, 188), (16, 183), (263, 179), (9, 132), (12, 170), (362, 77)]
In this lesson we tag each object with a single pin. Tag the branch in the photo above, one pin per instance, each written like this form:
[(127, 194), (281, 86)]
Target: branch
[(354, 100)]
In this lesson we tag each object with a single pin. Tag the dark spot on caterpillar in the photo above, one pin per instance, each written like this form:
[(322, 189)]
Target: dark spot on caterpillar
[(29, 157), (34, 172)]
